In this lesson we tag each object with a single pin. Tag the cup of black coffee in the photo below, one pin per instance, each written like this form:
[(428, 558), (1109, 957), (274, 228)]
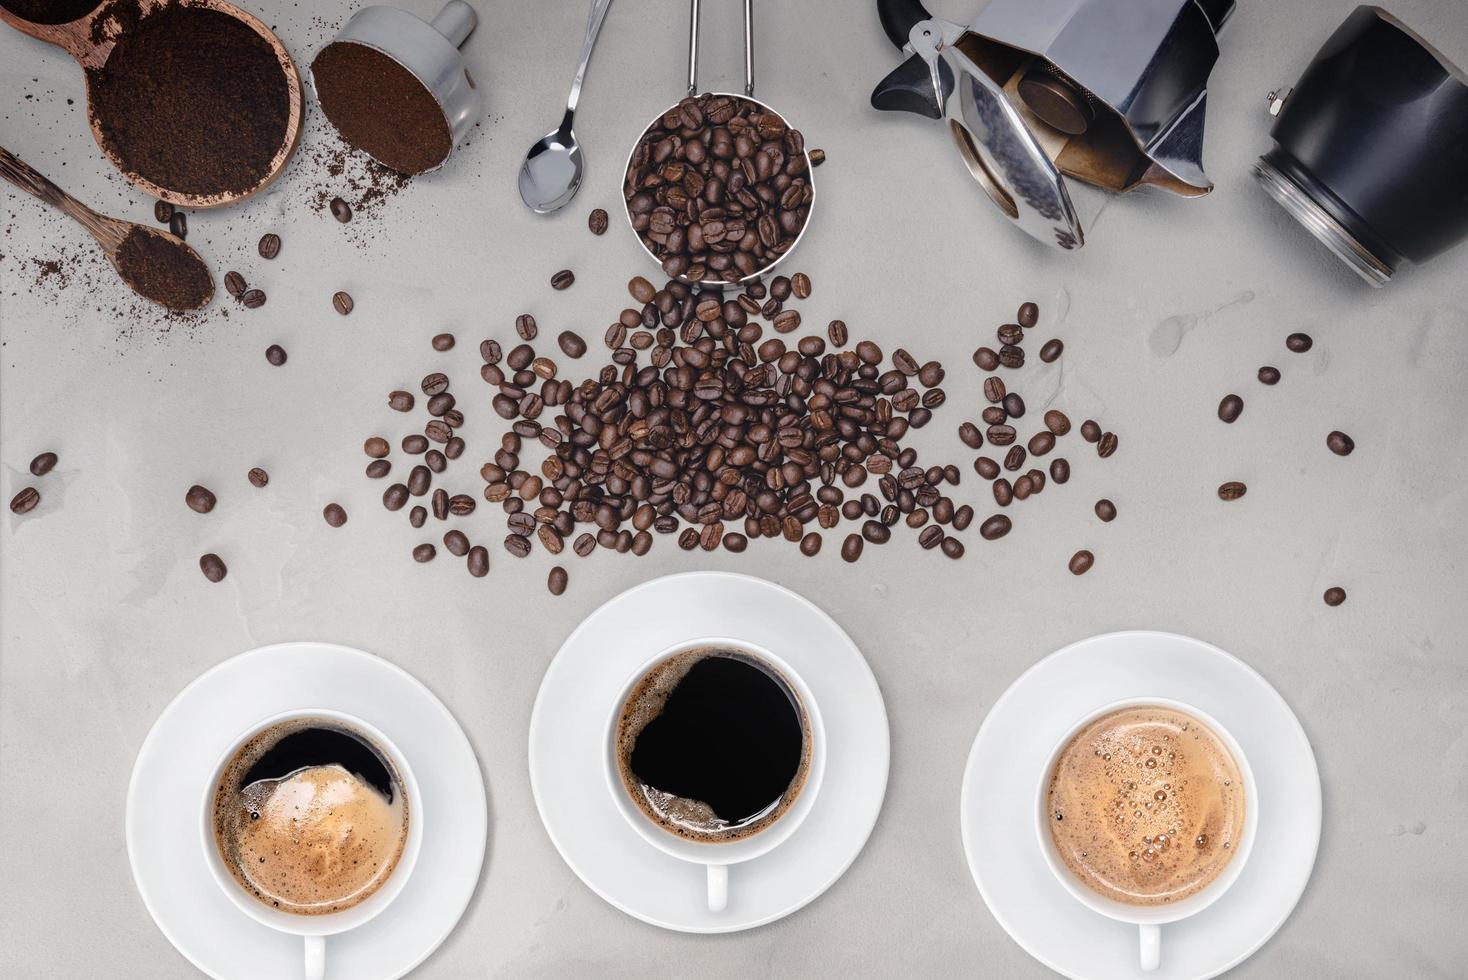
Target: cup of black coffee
[(715, 754), (311, 824)]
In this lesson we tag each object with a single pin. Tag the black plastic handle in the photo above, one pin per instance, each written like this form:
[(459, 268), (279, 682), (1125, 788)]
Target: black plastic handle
[(898, 17)]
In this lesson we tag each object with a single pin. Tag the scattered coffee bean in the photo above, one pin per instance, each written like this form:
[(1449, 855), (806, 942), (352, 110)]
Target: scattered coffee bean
[(1106, 510), (571, 344), (735, 542), (800, 285), (456, 542), (443, 342), (1081, 562), (424, 553), (1299, 342), (376, 447), (1041, 443), (556, 581), (341, 210), (400, 401), (418, 516), (43, 463), (563, 279), (1269, 375), (817, 157), (1015, 458), (1051, 350), (641, 290), (810, 544), (986, 467), (995, 527), (335, 514), (234, 284), (526, 327), (836, 332), (970, 435), (1060, 469), (342, 302), (1010, 333), (162, 212), (259, 478), (986, 359), (213, 567), (1003, 492), (434, 384), (478, 560), (1001, 435), (952, 547), (1230, 408), (253, 299), (200, 499), (994, 389), (395, 496), (851, 547), (25, 500), (597, 221), (1340, 443), (1232, 490), (1090, 431), (378, 468), (1335, 595), (1028, 315), (415, 444), (1057, 422), (178, 225), (269, 245), (963, 517), (1106, 445)]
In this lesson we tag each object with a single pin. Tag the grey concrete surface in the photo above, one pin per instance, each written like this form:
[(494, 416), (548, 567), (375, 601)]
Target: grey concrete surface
[(104, 615)]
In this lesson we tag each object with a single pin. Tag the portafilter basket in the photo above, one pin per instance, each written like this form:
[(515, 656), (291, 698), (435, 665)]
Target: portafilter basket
[(748, 96)]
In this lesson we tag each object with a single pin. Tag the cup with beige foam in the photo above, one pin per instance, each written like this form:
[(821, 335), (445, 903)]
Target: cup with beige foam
[(1146, 812), (311, 823)]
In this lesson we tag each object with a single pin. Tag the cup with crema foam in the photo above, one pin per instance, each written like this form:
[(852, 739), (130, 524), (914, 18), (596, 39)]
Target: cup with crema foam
[(1146, 812), (311, 824), (715, 753)]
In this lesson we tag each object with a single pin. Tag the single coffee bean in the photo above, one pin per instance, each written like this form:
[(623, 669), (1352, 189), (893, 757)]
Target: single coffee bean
[(1232, 490), (275, 355), (1230, 408), (1012, 356), (234, 284), (478, 560), (341, 301), (376, 447), (440, 403), (520, 357), (817, 157), (461, 505), (178, 225), (1106, 445), (200, 499), (1090, 431), (400, 401), (517, 545), (1106, 510), (378, 468), (457, 543), (986, 467), (25, 500), (994, 389), (1010, 333), (438, 430), (836, 332), (1015, 458), (851, 547), (994, 415), (1041, 443), (526, 327), (1001, 435), (1003, 492), (415, 444), (1057, 422), (162, 212), (1081, 562), (1023, 487), (1051, 350), (395, 496), (335, 514), (556, 581), (597, 221), (418, 516), (963, 517), (1340, 443), (640, 289), (810, 544), (269, 245), (490, 351), (434, 384), (341, 210), (688, 540), (258, 477), (1014, 405), (443, 342), (571, 344), (800, 285), (735, 542), (563, 279), (213, 567), (952, 547), (970, 435), (43, 463), (1060, 469), (1335, 595), (1299, 342), (995, 527), (1028, 315), (931, 537), (253, 299), (424, 553), (1269, 375), (986, 359)]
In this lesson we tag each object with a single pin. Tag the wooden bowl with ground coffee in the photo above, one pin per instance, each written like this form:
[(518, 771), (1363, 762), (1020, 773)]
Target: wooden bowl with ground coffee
[(196, 102)]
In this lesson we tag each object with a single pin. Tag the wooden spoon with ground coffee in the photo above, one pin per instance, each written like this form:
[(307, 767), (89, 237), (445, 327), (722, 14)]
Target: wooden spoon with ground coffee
[(196, 103), (155, 264)]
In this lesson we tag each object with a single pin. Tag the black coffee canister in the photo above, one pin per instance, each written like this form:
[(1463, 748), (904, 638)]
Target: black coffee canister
[(1371, 147)]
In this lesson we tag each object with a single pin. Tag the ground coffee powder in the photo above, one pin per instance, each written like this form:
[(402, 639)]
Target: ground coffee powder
[(50, 11), (163, 270), (380, 107), (193, 100)]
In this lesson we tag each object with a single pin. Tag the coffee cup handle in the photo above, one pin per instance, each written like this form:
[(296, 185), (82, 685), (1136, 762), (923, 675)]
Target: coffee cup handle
[(1151, 947), (718, 886), (315, 957)]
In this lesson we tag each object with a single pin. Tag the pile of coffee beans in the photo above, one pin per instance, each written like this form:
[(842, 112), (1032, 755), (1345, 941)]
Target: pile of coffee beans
[(718, 188)]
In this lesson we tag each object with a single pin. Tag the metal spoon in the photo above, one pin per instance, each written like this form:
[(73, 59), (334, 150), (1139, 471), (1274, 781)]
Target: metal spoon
[(551, 173)]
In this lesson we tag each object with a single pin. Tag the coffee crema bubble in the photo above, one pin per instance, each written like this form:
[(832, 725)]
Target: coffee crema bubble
[(713, 745), (310, 817), (1145, 805)]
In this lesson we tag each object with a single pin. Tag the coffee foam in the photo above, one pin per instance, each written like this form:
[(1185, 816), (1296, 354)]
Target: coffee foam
[(694, 820), (317, 841), (1146, 805)]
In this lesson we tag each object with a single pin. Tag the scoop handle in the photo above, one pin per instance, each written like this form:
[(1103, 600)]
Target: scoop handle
[(899, 16), (32, 181)]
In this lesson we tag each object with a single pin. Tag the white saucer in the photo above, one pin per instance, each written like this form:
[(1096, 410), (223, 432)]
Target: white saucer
[(996, 809), (164, 797), (568, 741)]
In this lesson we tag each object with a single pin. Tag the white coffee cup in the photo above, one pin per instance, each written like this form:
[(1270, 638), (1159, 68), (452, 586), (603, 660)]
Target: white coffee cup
[(717, 856), (315, 928), (1149, 918)]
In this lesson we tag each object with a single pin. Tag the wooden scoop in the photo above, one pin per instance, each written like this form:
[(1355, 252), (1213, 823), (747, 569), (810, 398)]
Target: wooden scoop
[(148, 281), (90, 40)]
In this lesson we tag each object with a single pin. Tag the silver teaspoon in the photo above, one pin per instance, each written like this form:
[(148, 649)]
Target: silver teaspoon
[(551, 173)]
